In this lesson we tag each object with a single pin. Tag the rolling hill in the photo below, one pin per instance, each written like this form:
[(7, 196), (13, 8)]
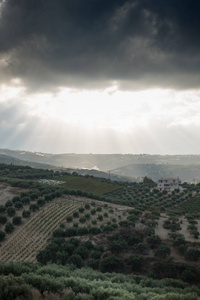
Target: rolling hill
[(134, 166)]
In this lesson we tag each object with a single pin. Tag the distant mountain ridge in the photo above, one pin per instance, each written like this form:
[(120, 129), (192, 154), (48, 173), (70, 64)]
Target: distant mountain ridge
[(188, 173), (187, 167), (6, 159), (104, 162)]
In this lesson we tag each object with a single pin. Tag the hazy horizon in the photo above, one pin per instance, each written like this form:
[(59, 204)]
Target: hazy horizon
[(96, 153), (100, 77)]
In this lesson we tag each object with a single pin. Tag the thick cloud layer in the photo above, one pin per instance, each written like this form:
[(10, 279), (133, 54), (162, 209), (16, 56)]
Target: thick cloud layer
[(138, 43)]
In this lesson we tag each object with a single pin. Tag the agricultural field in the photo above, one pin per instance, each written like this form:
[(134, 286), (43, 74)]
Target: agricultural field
[(32, 235), (87, 184), (143, 197), (126, 234), (24, 243)]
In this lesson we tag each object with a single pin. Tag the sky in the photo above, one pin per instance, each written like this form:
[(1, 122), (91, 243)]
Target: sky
[(98, 76)]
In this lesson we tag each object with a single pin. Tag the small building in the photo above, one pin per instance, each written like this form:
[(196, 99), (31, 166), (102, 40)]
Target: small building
[(168, 184)]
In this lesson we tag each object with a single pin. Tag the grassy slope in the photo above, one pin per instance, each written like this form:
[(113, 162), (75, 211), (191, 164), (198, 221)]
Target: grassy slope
[(88, 185)]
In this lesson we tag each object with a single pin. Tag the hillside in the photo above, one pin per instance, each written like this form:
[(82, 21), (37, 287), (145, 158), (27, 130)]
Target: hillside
[(188, 173), (111, 232), (5, 159), (132, 165)]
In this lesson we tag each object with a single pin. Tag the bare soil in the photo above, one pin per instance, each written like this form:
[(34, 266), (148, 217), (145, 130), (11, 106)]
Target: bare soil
[(7, 193)]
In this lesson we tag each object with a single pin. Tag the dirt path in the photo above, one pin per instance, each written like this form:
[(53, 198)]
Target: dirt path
[(6, 193)]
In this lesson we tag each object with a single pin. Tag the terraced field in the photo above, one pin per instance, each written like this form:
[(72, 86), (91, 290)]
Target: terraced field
[(23, 244)]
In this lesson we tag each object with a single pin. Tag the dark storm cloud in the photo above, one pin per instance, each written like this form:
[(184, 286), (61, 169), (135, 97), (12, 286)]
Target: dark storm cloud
[(64, 42)]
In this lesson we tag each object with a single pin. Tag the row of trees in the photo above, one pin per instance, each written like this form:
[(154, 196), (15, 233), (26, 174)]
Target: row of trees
[(82, 284)]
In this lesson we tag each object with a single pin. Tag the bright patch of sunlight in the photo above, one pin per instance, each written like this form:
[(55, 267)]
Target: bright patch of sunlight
[(110, 108)]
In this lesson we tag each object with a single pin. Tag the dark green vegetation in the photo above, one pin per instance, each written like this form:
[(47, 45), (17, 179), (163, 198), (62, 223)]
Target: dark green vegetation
[(72, 283)]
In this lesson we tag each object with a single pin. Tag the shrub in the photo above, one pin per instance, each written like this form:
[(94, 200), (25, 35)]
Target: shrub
[(9, 228), (111, 263), (191, 274), (8, 203), (74, 242), (2, 209), (70, 232), (33, 196), (24, 194), (100, 217), (16, 199), (94, 230), (96, 254), (61, 257), (69, 248), (137, 262), (100, 248), (82, 220), (154, 241), (81, 209), (26, 213), (2, 235), (87, 206), (87, 216), (83, 252), (93, 211), (76, 260), (10, 211), (17, 220), (82, 231), (88, 244), (26, 200), (126, 223), (3, 219), (34, 207), (175, 227), (163, 251), (107, 228), (142, 248), (76, 214), (18, 205), (69, 219), (93, 263), (118, 245), (192, 254), (40, 202)]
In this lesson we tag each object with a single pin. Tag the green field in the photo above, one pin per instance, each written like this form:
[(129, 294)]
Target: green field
[(88, 185)]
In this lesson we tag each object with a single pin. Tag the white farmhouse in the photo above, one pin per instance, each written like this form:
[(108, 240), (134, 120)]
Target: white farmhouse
[(168, 184)]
